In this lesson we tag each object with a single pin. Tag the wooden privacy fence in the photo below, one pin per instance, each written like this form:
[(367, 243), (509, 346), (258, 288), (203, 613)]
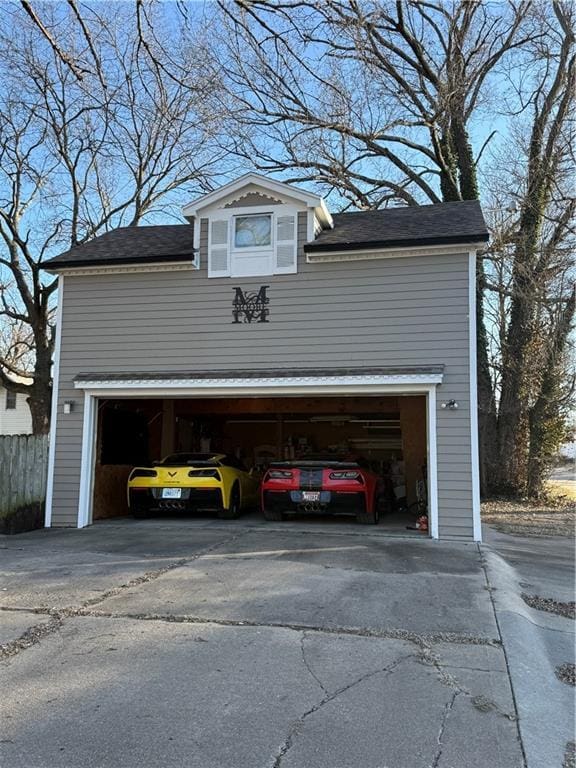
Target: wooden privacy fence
[(23, 471)]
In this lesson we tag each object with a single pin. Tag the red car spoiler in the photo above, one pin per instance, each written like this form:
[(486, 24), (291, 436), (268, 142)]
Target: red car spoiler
[(315, 464)]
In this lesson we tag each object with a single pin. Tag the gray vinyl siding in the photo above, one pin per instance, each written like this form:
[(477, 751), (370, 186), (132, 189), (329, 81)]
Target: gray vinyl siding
[(390, 312)]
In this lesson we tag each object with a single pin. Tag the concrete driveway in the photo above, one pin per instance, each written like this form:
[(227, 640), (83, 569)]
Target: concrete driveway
[(208, 644), (532, 581)]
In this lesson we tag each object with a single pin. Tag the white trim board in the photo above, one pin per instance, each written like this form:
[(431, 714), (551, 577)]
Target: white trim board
[(54, 406), (431, 434), (122, 269), (86, 494), (276, 187), (257, 386), (296, 391), (363, 254), (360, 387), (474, 447)]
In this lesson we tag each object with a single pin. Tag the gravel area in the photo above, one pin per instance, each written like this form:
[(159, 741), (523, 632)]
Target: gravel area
[(30, 637), (566, 673), (568, 610), (553, 517)]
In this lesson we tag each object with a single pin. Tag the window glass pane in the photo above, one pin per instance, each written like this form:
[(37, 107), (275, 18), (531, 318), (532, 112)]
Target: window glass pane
[(10, 400), (253, 231)]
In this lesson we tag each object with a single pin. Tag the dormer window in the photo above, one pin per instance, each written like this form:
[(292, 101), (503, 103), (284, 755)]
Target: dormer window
[(253, 227), (256, 244), (253, 231)]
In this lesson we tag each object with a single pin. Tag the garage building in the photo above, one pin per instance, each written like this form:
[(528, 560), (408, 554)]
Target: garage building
[(267, 328)]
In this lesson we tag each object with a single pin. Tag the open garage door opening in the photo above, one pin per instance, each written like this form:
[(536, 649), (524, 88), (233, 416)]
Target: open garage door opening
[(385, 435)]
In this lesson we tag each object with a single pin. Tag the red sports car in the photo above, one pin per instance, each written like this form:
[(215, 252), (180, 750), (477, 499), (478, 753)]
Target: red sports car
[(321, 485)]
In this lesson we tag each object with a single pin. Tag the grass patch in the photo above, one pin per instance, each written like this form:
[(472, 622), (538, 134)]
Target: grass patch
[(553, 516), (562, 489)]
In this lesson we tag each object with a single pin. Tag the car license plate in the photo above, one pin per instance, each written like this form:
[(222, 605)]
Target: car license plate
[(171, 493), (310, 495)]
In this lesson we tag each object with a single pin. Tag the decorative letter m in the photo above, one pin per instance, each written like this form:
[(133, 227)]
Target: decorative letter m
[(251, 306)]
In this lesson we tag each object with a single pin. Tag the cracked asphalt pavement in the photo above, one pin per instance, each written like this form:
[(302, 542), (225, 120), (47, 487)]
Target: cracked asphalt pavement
[(213, 645)]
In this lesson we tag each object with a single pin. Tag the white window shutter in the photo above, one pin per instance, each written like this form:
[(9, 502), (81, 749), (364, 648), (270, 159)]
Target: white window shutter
[(218, 249), (286, 245)]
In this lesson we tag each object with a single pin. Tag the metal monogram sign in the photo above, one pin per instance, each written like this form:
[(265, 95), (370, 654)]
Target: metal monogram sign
[(251, 306)]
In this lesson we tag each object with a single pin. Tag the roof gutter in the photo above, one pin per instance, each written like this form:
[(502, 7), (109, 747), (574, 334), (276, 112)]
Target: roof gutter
[(478, 239), (57, 265), (375, 252)]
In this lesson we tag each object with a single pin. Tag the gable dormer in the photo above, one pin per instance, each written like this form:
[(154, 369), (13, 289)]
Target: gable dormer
[(249, 228)]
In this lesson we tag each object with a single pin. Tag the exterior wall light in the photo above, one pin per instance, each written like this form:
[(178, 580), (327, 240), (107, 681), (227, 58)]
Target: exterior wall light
[(68, 406), (450, 405)]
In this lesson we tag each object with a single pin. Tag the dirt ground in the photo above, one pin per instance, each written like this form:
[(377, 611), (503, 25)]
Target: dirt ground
[(555, 516)]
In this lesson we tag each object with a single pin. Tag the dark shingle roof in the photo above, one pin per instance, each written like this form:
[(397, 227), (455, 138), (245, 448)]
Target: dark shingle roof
[(441, 224), (131, 245)]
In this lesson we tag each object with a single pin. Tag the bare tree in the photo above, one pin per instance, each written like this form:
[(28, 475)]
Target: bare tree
[(548, 417), (380, 93), (545, 227), (155, 49), (376, 101), (82, 155), (16, 339), (549, 376)]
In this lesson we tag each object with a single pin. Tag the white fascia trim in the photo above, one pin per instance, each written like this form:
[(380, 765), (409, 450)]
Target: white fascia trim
[(432, 464), (87, 461), (475, 457), (167, 266), (278, 187), (121, 390), (280, 391), (232, 213), (323, 214), (300, 385), (310, 225), (54, 406), (387, 253)]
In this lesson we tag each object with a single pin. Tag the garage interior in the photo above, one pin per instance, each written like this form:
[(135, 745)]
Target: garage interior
[(387, 434)]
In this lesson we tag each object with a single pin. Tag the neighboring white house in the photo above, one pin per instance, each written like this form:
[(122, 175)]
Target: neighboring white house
[(15, 416)]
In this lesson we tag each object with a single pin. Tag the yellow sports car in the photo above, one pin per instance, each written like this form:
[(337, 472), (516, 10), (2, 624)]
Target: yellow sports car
[(193, 481)]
